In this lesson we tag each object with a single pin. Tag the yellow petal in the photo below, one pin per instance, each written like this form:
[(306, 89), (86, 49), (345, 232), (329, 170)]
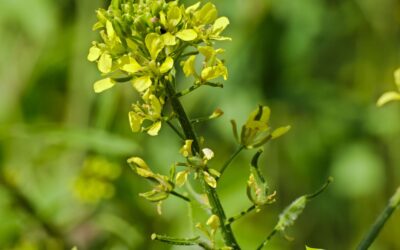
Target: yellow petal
[(142, 83), (132, 67), (135, 121), (388, 97), (167, 65), (181, 178), (156, 105), (207, 14), (174, 16), (154, 129), (105, 63), (94, 54), (154, 44), (187, 35), (169, 39), (188, 66), (210, 180), (103, 84), (193, 7), (110, 30), (220, 24), (280, 131), (210, 73), (262, 114), (139, 162)]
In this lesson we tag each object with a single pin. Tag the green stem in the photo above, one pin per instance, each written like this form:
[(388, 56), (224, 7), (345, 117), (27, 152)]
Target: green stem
[(25, 204), (267, 239), (180, 196), (228, 162), (176, 130), (369, 238), (212, 195), (243, 213)]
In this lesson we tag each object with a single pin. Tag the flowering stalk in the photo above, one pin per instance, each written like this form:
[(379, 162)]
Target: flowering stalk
[(212, 195), (143, 44)]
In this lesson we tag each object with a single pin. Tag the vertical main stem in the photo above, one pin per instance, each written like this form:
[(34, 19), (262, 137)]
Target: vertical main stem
[(212, 195)]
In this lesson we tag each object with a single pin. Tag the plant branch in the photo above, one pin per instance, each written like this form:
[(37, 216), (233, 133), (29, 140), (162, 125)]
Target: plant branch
[(269, 237), (380, 222), (25, 204), (176, 130), (228, 162), (212, 195), (243, 213), (180, 196)]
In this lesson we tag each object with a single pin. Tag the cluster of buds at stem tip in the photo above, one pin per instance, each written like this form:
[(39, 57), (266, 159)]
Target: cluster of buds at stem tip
[(256, 131), (142, 43)]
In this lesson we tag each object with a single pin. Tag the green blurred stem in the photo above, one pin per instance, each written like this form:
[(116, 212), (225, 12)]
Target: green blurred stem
[(180, 241), (243, 213), (374, 231), (176, 130), (267, 239), (180, 196), (212, 195), (228, 162), (25, 204)]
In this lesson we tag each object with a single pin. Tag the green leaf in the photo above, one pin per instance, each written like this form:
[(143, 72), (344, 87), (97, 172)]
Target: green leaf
[(187, 35), (388, 97), (167, 65), (103, 84), (142, 83), (154, 44), (105, 63), (94, 54)]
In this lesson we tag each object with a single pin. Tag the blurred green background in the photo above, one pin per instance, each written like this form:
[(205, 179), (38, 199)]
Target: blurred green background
[(319, 65)]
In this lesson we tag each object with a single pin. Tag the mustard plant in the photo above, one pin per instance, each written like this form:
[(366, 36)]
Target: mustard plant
[(146, 43)]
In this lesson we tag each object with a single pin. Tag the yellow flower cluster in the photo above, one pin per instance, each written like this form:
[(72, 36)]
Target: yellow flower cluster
[(141, 43)]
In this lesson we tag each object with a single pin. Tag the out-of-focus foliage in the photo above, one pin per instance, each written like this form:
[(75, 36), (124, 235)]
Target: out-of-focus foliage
[(319, 65)]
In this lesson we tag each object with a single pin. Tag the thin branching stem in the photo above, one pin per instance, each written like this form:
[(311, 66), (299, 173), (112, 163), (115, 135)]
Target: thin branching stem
[(269, 237), (228, 162), (176, 130), (27, 206), (181, 196), (240, 215), (380, 222)]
